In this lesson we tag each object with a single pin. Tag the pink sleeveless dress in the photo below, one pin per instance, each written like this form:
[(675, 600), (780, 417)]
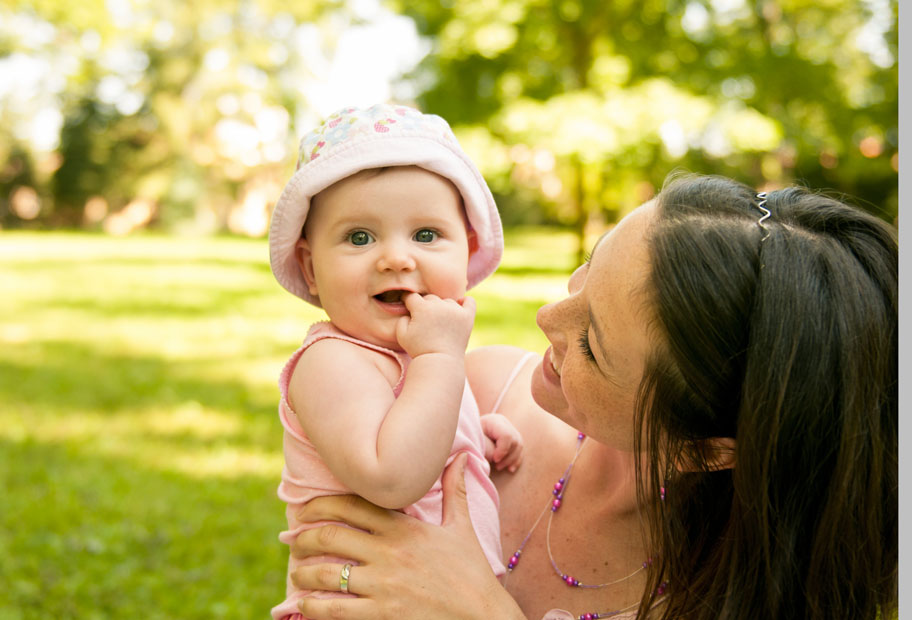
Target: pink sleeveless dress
[(305, 476)]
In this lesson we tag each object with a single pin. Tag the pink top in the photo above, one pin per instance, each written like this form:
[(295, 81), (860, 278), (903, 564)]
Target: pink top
[(305, 476)]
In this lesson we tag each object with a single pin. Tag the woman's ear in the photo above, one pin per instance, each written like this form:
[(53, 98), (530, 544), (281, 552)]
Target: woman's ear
[(304, 258), (719, 453), (713, 454)]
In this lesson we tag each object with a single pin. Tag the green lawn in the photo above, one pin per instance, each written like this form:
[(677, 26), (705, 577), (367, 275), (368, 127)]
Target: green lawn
[(139, 446)]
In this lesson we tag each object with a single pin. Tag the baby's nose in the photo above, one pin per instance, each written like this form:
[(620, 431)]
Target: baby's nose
[(396, 257)]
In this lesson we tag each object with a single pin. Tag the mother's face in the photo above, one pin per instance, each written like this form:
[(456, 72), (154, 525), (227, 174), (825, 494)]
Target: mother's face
[(590, 375)]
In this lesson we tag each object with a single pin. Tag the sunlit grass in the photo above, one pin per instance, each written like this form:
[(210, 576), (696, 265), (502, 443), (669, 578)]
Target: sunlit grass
[(139, 446)]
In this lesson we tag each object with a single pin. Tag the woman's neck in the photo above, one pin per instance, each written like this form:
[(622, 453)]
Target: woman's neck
[(606, 477)]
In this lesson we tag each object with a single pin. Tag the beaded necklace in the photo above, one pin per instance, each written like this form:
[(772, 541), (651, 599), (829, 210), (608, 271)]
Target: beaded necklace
[(553, 505)]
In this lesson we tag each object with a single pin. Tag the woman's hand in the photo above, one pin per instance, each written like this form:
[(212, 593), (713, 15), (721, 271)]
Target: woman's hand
[(406, 568)]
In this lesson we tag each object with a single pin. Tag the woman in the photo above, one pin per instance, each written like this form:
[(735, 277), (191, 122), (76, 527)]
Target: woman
[(732, 359)]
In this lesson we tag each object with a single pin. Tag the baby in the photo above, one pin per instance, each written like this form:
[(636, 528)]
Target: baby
[(385, 224)]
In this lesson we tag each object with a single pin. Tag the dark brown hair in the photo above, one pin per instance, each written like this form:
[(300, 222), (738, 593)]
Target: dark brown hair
[(789, 345)]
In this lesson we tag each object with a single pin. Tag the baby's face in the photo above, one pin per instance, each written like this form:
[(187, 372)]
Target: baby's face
[(375, 235)]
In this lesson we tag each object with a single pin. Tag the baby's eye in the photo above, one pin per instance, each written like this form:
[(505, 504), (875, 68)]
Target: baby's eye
[(425, 235), (359, 237)]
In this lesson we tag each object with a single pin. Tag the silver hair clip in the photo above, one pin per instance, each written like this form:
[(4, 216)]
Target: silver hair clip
[(761, 197)]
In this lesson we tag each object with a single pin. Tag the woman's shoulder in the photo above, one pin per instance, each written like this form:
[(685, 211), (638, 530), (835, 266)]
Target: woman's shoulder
[(490, 369), (495, 355)]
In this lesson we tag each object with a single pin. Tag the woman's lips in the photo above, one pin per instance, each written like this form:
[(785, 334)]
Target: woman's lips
[(551, 372)]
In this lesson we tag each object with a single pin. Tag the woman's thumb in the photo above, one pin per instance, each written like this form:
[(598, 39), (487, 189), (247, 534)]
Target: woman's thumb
[(455, 503)]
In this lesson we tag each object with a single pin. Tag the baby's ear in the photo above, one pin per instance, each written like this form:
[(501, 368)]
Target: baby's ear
[(304, 258), (473, 241)]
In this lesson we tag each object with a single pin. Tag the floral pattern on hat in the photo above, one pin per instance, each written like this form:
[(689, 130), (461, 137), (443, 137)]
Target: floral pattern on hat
[(345, 125)]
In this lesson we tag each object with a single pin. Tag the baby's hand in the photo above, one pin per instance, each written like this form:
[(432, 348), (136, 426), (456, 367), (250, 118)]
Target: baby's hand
[(503, 443), (435, 325)]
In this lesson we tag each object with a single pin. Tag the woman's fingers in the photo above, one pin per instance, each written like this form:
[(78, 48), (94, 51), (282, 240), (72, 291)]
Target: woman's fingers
[(455, 500), (332, 539), (354, 510), (339, 608), (328, 577), (400, 573)]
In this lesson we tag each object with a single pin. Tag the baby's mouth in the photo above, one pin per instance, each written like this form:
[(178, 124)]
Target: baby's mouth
[(392, 297)]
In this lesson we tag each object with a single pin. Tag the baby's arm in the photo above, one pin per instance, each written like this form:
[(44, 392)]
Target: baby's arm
[(388, 450)]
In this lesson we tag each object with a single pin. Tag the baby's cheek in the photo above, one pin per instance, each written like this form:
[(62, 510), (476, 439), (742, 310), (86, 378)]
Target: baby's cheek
[(450, 288)]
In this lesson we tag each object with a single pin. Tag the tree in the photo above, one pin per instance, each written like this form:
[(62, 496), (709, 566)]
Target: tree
[(617, 94), (184, 107)]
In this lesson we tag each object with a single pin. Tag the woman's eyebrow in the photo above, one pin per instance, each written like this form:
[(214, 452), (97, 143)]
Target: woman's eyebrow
[(588, 258), (595, 245)]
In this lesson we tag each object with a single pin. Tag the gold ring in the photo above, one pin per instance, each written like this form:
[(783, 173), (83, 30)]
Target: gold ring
[(343, 578)]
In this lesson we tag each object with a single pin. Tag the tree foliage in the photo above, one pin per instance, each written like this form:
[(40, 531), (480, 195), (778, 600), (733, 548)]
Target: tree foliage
[(575, 109), (605, 98), (184, 107)]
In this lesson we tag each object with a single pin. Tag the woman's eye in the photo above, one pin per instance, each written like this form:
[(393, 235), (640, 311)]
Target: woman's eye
[(584, 345), (425, 235), (359, 237)]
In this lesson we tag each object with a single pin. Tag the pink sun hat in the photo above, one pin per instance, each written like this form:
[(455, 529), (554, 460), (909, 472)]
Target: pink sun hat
[(354, 139)]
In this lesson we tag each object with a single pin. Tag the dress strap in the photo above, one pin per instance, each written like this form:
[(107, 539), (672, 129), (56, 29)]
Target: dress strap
[(513, 374)]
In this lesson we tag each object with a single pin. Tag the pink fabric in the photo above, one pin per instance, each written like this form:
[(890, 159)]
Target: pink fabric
[(305, 476)]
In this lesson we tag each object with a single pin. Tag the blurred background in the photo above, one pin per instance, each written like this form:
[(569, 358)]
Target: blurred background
[(128, 114), (143, 144)]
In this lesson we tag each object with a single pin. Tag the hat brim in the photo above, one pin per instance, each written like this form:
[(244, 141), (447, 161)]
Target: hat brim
[(435, 155)]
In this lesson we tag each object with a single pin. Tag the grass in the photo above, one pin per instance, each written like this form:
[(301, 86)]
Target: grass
[(139, 445)]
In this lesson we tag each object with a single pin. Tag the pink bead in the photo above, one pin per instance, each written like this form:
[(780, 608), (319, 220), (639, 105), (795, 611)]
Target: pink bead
[(588, 616), (555, 505), (568, 579), (558, 486)]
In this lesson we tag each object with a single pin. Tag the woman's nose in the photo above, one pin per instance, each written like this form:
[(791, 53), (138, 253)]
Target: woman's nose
[(556, 318), (549, 321), (395, 256)]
